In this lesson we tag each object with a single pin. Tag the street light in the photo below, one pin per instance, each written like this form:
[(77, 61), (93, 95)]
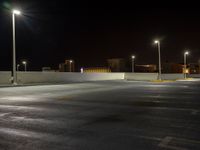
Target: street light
[(185, 62), (81, 69), (70, 65), (133, 58), (25, 65), (14, 75), (17, 12), (159, 74)]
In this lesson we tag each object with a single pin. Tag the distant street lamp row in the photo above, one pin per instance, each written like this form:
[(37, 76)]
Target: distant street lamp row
[(25, 66), (14, 76), (159, 61)]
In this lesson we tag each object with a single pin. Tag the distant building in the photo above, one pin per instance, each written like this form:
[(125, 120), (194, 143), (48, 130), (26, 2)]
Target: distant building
[(96, 70), (194, 68), (47, 69), (116, 64), (145, 68), (67, 66), (172, 68)]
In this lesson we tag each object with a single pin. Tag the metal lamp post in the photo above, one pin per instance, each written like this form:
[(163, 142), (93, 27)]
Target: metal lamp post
[(133, 58), (185, 63), (14, 75), (159, 55), (18, 67)]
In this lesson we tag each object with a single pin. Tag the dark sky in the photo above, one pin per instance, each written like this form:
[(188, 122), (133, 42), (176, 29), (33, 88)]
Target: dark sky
[(90, 32)]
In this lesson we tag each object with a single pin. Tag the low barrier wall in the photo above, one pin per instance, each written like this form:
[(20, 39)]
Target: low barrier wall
[(152, 76), (58, 77), (172, 76), (41, 77), (5, 77), (141, 76), (193, 75)]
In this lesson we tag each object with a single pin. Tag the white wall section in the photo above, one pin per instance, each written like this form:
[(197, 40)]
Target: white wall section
[(64, 77)]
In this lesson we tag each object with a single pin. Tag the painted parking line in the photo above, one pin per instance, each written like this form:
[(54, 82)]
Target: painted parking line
[(4, 114), (165, 143), (194, 112)]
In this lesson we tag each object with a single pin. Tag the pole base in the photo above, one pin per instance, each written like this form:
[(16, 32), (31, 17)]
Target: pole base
[(14, 83)]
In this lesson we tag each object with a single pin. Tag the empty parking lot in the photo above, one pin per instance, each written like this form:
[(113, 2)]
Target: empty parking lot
[(109, 115)]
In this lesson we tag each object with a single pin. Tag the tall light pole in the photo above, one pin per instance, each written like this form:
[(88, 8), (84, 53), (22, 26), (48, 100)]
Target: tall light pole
[(133, 58), (70, 65), (25, 65), (159, 55), (14, 75), (185, 63)]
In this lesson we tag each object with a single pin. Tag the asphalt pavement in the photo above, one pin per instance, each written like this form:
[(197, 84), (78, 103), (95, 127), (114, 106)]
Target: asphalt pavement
[(108, 115)]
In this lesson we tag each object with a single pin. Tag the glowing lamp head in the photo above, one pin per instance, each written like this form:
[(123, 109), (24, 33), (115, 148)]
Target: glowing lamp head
[(82, 70), (186, 53), (156, 41), (16, 12), (24, 62), (71, 61), (133, 57)]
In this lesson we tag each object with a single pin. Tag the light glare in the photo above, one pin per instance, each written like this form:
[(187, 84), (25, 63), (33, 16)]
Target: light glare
[(186, 53), (17, 12)]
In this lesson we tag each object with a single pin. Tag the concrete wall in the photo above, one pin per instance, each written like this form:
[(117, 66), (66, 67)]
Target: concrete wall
[(57, 77), (172, 76), (152, 76), (193, 76), (5, 77), (141, 76)]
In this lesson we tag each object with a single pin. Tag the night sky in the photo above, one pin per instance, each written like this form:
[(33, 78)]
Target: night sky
[(90, 32)]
